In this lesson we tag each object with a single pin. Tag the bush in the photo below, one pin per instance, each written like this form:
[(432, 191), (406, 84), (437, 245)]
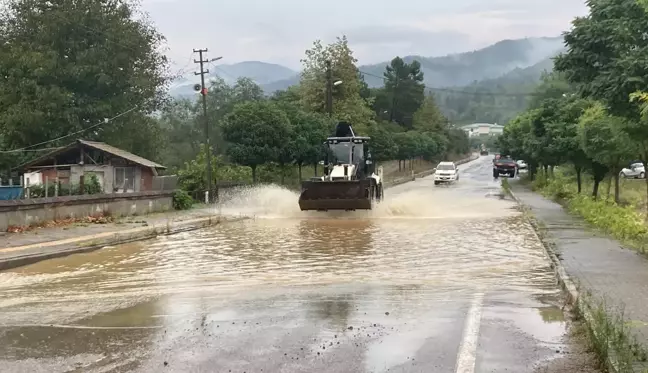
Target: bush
[(182, 200), (625, 223)]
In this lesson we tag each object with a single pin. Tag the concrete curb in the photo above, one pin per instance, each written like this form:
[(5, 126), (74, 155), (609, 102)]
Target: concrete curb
[(89, 243), (565, 281), (419, 175)]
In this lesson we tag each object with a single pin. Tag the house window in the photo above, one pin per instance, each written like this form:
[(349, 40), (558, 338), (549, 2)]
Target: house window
[(124, 179)]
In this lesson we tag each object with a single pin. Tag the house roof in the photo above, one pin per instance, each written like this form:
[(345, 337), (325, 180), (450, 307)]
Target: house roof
[(477, 125), (99, 146)]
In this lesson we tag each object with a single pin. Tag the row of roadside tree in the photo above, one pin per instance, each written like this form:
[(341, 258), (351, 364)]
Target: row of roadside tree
[(590, 113), (271, 138), (96, 70)]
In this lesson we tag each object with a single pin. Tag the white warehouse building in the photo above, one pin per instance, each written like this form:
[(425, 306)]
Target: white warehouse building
[(483, 129)]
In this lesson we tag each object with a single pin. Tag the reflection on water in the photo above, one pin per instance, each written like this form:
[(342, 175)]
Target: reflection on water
[(446, 253)]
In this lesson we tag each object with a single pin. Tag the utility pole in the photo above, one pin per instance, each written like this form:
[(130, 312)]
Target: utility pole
[(329, 89), (203, 92)]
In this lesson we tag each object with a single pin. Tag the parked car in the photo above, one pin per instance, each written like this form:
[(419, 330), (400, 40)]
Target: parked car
[(521, 164), (636, 171), (446, 172)]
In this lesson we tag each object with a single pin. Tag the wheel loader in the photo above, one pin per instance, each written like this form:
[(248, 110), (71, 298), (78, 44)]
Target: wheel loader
[(350, 181)]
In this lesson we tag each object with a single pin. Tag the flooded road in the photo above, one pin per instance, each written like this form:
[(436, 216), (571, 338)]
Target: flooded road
[(437, 279)]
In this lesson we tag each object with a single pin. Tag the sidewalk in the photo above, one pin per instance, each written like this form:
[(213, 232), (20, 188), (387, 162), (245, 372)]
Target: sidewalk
[(17, 249), (593, 261)]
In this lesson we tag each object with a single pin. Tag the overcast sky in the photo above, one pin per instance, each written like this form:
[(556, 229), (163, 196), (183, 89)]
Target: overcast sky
[(279, 31)]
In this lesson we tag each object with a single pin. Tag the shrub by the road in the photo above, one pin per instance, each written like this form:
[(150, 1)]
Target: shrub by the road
[(182, 200), (624, 222)]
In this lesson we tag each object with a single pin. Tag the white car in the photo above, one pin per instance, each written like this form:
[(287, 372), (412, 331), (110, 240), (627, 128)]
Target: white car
[(522, 165), (446, 172), (636, 171)]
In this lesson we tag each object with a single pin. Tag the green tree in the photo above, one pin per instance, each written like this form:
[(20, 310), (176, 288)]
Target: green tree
[(221, 99), (67, 65), (515, 141), (192, 177), (348, 104), (405, 89), (310, 132), (257, 133), (429, 118), (603, 140), (383, 145), (182, 133), (565, 134), (605, 59)]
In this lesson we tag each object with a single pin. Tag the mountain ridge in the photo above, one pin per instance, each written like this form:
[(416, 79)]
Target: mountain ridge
[(453, 70)]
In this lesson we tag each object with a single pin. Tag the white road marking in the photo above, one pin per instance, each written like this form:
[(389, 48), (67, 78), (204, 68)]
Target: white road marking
[(468, 348)]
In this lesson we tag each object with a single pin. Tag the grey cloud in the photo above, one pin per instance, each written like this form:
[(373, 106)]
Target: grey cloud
[(379, 43)]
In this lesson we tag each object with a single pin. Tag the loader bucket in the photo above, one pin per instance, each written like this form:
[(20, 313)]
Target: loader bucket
[(335, 195)]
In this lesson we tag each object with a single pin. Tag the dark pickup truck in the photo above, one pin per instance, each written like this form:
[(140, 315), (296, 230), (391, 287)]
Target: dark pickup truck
[(504, 166)]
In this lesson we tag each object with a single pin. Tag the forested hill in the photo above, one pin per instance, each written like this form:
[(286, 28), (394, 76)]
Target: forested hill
[(491, 100), (492, 62)]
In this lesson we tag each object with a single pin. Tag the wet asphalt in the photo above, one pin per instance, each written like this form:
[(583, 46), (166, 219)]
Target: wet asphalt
[(436, 279)]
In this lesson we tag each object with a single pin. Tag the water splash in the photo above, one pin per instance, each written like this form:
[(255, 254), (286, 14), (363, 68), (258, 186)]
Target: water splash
[(274, 202)]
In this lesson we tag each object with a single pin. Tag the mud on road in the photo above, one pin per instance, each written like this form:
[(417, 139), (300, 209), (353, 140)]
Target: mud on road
[(437, 279)]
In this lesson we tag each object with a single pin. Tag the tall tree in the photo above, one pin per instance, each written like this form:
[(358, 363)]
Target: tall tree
[(182, 132), (348, 102), (603, 139), (405, 89), (428, 118), (257, 133), (605, 58), (68, 65)]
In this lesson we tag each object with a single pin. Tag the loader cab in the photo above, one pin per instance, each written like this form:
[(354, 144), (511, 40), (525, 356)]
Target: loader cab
[(346, 149), (350, 151)]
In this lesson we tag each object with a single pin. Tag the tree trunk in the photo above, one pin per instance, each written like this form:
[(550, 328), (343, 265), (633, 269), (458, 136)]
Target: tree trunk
[(551, 171), (595, 189), (254, 175), (616, 188), (579, 180), (545, 168), (609, 187), (299, 172)]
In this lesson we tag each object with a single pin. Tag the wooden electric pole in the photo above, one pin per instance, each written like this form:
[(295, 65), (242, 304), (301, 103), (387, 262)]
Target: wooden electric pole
[(203, 93)]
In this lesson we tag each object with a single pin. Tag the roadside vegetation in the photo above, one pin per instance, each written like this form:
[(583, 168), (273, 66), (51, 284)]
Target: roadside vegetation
[(277, 139), (53, 90), (589, 120)]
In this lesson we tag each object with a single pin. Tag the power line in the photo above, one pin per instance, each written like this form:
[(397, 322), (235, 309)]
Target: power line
[(450, 90), (105, 121)]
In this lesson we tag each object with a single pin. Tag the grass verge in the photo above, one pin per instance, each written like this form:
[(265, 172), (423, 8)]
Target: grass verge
[(506, 187), (609, 332), (625, 221)]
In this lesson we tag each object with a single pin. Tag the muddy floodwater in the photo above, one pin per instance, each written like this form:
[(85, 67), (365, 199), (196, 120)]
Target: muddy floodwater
[(437, 279)]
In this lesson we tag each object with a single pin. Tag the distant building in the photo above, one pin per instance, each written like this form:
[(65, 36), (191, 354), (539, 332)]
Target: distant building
[(483, 129), (118, 171)]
